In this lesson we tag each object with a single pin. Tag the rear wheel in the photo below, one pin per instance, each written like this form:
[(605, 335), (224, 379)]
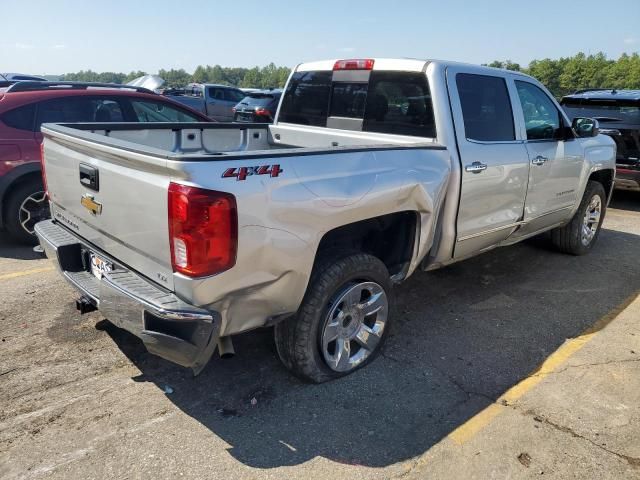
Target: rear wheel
[(579, 235), (343, 320), (27, 205)]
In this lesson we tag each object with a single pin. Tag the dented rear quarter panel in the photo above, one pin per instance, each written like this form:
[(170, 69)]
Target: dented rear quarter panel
[(282, 220)]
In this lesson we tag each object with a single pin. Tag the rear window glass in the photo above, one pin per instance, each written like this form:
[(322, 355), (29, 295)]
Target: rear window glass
[(348, 100), (20, 118), (399, 103), (486, 108), (306, 99), (260, 100)]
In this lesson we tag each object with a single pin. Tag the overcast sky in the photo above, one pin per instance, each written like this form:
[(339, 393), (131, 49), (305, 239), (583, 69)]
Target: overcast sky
[(53, 37)]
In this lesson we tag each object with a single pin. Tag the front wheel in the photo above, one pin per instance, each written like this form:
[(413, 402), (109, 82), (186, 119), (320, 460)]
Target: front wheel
[(343, 320), (581, 233)]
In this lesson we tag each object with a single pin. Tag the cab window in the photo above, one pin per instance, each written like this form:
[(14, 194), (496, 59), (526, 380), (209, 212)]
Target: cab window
[(306, 99), (399, 103), (486, 108), (149, 111), (541, 117)]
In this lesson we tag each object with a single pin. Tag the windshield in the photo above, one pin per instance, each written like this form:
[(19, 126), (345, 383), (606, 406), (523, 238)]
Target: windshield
[(606, 111)]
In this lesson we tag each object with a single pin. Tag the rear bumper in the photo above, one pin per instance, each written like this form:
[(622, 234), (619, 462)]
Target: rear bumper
[(168, 327), (627, 178)]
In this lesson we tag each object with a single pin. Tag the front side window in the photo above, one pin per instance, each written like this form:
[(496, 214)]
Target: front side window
[(541, 117), (399, 103), (486, 108), (306, 99), (150, 111)]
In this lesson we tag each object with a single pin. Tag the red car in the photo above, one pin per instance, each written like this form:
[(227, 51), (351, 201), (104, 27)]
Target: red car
[(24, 106)]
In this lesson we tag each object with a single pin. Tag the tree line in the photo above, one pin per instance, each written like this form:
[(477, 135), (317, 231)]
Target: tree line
[(271, 76), (561, 76), (567, 74)]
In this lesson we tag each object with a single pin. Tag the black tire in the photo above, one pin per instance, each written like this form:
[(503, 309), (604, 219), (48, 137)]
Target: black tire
[(13, 211), (298, 339), (568, 239)]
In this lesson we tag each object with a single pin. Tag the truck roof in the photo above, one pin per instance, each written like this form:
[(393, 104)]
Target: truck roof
[(399, 64)]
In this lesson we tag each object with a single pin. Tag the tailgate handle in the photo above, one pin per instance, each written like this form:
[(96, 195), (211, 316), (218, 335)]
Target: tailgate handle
[(89, 176)]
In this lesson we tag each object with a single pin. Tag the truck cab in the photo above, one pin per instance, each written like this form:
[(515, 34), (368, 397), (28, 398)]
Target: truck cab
[(215, 101)]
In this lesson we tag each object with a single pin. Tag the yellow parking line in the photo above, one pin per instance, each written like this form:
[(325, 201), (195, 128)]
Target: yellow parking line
[(22, 273), (471, 427)]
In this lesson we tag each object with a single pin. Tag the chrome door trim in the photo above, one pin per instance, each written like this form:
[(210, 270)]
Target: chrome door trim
[(493, 230)]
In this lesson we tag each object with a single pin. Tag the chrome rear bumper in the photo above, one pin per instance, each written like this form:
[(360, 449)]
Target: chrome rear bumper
[(168, 327)]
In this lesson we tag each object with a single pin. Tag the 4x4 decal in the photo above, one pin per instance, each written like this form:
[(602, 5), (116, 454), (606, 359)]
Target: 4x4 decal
[(243, 172)]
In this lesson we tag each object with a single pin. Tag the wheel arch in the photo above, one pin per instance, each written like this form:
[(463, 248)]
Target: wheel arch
[(605, 177), (392, 238)]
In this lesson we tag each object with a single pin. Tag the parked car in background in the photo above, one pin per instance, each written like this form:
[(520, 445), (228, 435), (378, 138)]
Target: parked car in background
[(7, 79), (372, 170), (17, 77), (215, 101), (258, 107), (618, 112), (24, 106)]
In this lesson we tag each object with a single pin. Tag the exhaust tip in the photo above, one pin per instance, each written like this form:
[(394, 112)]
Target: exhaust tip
[(225, 347)]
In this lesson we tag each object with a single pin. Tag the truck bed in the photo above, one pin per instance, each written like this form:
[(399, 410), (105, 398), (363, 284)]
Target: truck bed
[(288, 197)]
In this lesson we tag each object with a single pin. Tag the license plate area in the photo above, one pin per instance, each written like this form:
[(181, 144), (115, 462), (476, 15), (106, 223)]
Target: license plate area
[(98, 265)]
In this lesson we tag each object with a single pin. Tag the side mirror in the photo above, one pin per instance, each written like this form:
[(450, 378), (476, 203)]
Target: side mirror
[(585, 127)]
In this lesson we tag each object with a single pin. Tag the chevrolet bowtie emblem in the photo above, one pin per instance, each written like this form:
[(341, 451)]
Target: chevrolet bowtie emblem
[(90, 204)]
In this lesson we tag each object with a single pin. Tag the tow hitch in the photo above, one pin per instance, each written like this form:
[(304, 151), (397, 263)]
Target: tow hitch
[(84, 305)]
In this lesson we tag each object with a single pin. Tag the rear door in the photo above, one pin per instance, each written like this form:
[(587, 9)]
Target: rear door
[(495, 164), (556, 160)]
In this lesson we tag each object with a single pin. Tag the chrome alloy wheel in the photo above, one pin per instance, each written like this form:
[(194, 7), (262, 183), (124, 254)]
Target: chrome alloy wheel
[(591, 220), (354, 325), (33, 209)]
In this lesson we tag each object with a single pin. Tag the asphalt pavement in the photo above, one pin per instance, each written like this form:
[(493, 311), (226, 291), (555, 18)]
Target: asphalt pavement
[(517, 363)]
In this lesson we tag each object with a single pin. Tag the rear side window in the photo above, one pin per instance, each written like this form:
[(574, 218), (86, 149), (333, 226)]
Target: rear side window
[(306, 99), (486, 108), (149, 111), (78, 109), (21, 117), (399, 103)]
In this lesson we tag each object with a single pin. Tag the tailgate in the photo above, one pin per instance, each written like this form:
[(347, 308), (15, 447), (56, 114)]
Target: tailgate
[(113, 198)]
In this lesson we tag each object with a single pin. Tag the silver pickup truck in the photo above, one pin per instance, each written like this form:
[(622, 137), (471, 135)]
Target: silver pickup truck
[(188, 234)]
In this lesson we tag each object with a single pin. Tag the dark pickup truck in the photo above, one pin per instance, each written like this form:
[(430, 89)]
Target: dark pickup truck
[(618, 112)]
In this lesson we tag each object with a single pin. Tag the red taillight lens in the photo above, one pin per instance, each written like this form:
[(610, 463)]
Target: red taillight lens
[(203, 230), (44, 173), (354, 64), (263, 112)]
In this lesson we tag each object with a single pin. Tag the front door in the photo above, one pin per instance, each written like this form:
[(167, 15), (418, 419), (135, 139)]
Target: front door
[(495, 164), (556, 159)]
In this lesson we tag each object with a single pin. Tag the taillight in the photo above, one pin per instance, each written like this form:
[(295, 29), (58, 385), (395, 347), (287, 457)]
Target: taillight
[(354, 64), (44, 173), (263, 112), (203, 230)]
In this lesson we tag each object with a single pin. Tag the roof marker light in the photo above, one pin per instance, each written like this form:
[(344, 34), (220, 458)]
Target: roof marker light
[(354, 64)]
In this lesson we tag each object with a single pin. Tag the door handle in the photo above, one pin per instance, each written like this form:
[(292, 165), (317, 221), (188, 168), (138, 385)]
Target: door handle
[(539, 160), (476, 167)]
